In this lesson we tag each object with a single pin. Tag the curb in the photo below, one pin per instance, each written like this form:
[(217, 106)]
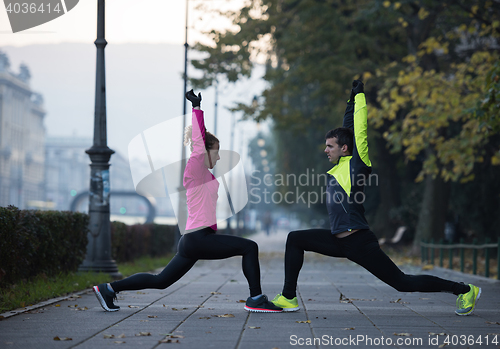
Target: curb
[(18, 311)]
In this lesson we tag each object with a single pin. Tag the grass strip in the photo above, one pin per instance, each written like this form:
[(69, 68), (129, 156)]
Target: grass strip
[(41, 287)]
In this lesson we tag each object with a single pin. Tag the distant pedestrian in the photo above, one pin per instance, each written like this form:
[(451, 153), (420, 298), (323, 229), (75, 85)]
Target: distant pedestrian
[(267, 222), (350, 236), (200, 241)]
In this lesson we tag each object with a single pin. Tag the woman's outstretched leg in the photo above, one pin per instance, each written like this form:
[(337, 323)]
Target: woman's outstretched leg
[(178, 267), (174, 270)]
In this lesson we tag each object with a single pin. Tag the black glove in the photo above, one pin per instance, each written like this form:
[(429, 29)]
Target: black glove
[(357, 87), (194, 99)]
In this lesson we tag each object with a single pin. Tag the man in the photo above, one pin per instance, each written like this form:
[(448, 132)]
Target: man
[(350, 236)]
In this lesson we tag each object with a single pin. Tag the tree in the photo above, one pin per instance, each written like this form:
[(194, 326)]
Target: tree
[(432, 105), (224, 57)]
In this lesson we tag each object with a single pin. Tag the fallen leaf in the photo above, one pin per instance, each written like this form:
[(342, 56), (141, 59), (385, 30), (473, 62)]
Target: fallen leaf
[(205, 317), (152, 316), (437, 334), (402, 334), (200, 306), (178, 309), (119, 342), (255, 327), (310, 299), (139, 292), (81, 309), (344, 299), (121, 336), (349, 328), (143, 334), (303, 322), (62, 339), (241, 301), (492, 323), (442, 345), (133, 306), (36, 311), (428, 267), (72, 306), (215, 292), (108, 336), (399, 301), (22, 304), (175, 336), (57, 305), (225, 315), (169, 341)]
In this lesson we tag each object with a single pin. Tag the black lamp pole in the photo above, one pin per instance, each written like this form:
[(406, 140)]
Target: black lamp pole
[(182, 214), (98, 256)]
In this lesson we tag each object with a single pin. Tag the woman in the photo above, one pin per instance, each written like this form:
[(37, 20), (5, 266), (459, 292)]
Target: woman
[(200, 240)]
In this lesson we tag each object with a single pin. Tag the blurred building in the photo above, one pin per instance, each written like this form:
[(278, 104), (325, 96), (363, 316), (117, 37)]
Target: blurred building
[(22, 136), (66, 169), (68, 174)]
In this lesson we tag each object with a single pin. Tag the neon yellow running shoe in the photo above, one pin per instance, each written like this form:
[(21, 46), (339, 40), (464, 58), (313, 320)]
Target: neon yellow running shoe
[(466, 302), (285, 303)]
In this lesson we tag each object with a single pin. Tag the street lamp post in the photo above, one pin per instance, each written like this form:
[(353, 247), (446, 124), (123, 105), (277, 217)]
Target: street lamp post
[(182, 215), (98, 257)]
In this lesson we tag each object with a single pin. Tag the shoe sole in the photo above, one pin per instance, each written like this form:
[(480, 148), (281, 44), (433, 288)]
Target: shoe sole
[(260, 310), (291, 309), (100, 298), (475, 303), (287, 309)]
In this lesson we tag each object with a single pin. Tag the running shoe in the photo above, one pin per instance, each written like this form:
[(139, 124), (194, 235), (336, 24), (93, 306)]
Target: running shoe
[(285, 303), (261, 305), (105, 297), (466, 302)]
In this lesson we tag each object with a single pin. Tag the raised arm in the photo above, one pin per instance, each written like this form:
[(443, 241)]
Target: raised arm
[(349, 114), (198, 132), (360, 119), (198, 122)]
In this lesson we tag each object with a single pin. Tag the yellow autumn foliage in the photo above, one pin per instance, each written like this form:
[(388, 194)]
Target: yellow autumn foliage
[(440, 116)]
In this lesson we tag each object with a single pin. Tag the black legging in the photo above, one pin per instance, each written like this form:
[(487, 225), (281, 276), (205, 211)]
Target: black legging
[(202, 244), (362, 248)]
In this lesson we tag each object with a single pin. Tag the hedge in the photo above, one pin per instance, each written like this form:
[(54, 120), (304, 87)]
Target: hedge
[(51, 242), (36, 242), (132, 241)]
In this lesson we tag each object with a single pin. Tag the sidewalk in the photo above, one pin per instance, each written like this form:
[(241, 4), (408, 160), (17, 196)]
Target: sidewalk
[(341, 305)]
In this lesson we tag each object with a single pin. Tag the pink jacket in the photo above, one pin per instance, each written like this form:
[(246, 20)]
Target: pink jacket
[(201, 185)]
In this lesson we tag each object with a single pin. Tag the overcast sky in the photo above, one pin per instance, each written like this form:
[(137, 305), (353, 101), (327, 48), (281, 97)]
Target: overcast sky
[(127, 21)]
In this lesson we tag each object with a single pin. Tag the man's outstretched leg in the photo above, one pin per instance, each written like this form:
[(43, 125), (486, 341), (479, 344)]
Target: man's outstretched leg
[(363, 248)]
